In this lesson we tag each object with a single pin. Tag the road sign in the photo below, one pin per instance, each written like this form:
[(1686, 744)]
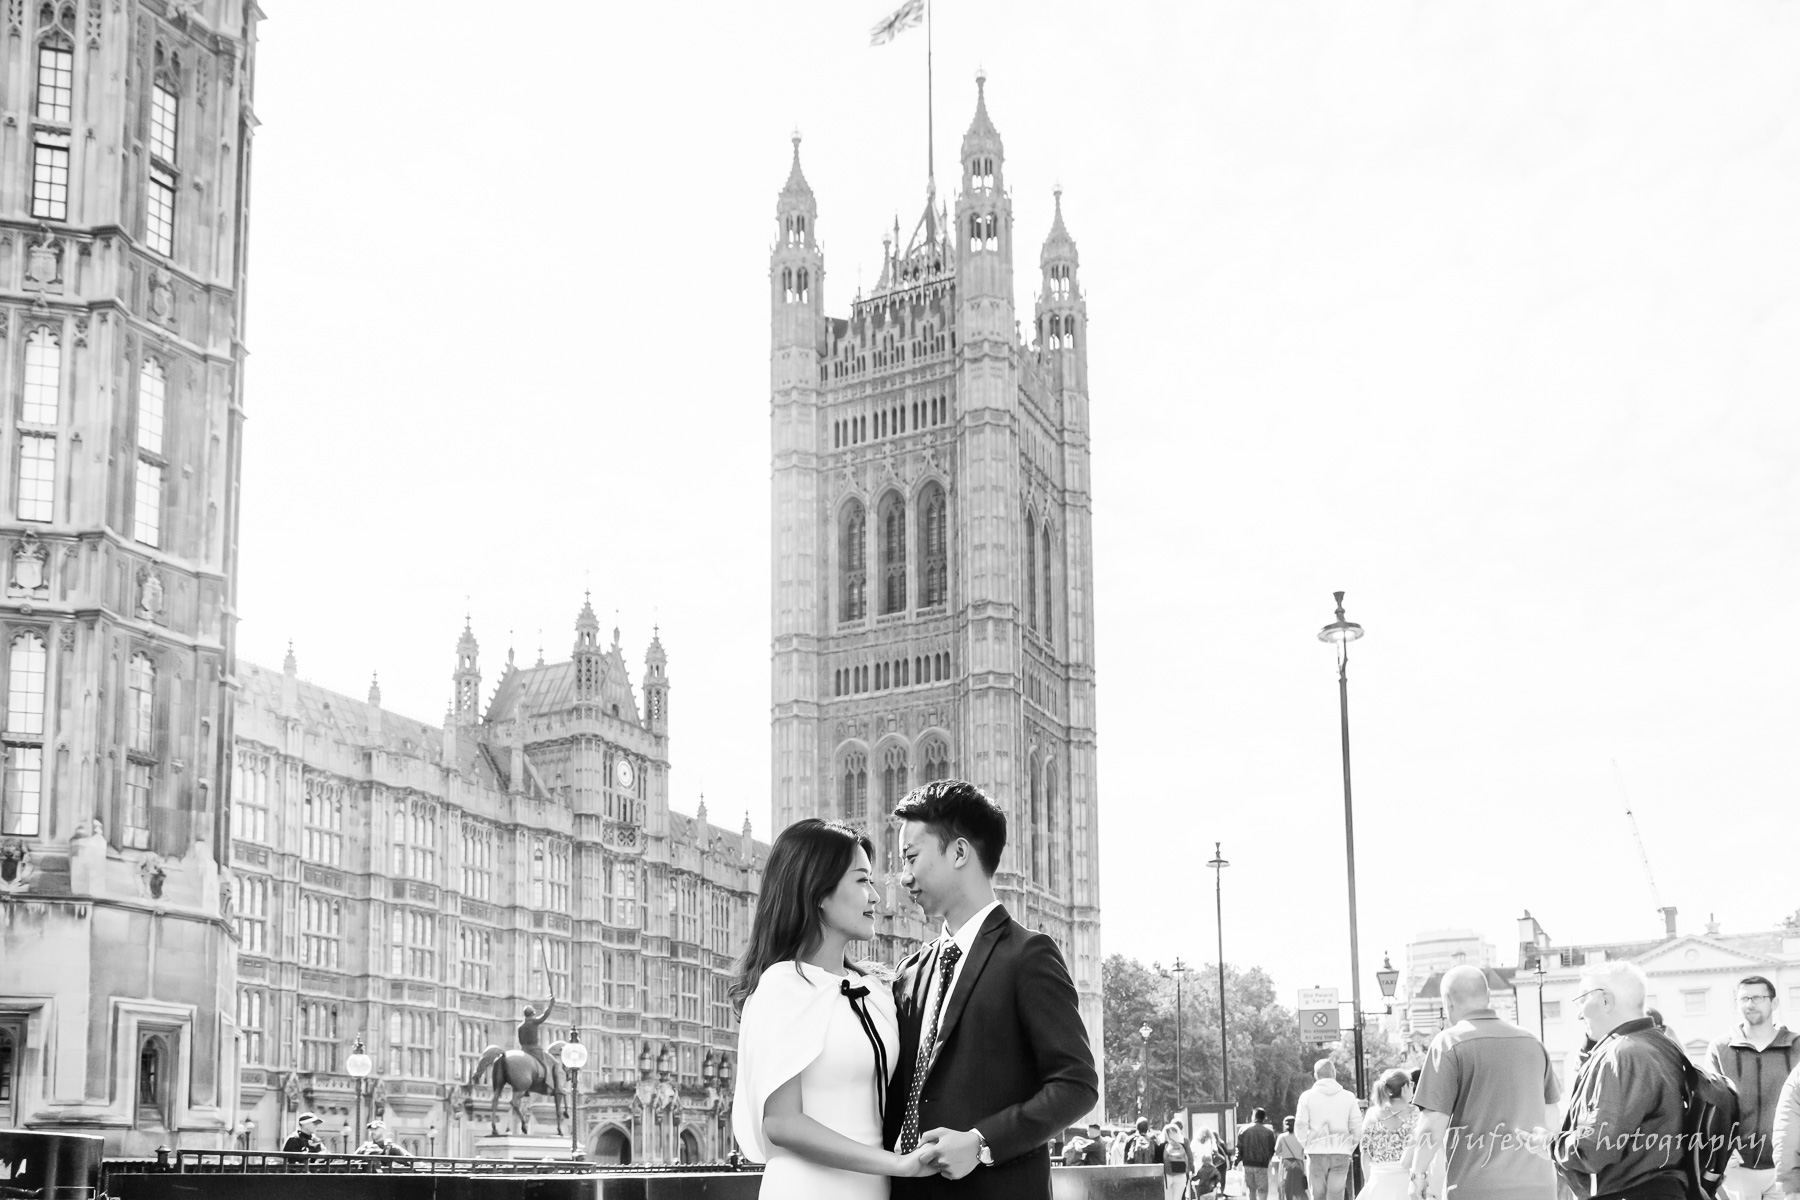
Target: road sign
[(1319, 1020)]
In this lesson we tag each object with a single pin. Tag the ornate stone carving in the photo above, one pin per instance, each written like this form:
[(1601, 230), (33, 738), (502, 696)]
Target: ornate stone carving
[(28, 559), (93, 24), (67, 637), (81, 331), (16, 867), (15, 15), (162, 298), (150, 594), (43, 262)]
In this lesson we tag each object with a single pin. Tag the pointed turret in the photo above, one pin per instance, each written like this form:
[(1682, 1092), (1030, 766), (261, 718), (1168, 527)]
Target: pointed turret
[(983, 234), (656, 685), (586, 654), (465, 705), (796, 267), (1061, 309)]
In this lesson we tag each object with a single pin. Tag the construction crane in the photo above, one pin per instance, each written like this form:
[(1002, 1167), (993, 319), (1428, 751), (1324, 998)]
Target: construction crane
[(1668, 913)]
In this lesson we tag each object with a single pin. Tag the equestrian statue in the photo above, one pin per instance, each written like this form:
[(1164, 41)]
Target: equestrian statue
[(530, 1069)]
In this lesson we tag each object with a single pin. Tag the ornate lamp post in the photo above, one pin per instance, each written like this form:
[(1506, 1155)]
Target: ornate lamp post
[(725, 1099), (359, 1064), (1179, 971), (574, 1057), (646, 1095), (1341, 633), (1540, 972), (1144, 1031), (1387, 978)]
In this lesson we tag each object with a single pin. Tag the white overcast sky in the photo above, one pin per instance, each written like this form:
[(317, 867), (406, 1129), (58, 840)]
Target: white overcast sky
[(1484, 312)]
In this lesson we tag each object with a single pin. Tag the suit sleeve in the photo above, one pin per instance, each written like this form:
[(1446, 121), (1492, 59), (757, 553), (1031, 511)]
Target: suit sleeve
[(1068, 1087)]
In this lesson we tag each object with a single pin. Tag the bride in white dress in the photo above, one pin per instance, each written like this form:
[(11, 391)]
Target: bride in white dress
[(816, 1034)]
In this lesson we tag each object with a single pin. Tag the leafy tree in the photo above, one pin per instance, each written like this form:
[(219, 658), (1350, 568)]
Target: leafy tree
[(1269, 1065)]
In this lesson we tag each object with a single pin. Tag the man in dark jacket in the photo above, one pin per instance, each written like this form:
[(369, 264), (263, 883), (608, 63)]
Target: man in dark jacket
[(305, 1138), (1757, 1058), (1255, 1147), (1621, 1138)]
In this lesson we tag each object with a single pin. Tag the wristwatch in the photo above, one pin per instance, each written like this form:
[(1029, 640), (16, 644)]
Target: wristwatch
[(985, 1155)]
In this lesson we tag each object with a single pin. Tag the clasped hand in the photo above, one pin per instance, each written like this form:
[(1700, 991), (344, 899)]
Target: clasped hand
[(945, 1152)]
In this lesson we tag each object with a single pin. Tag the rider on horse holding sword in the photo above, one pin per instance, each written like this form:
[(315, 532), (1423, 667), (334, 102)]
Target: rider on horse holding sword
[(528, 1035)]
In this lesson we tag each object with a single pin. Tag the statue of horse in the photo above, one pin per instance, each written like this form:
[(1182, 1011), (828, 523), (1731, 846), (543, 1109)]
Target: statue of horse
[(523, 1073)]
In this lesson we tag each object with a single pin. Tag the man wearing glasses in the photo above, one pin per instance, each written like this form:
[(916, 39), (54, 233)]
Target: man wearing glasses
[(1621, 1138), (1757, 1058)]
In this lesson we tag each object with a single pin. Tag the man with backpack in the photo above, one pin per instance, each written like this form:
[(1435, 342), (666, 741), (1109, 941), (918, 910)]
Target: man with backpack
[(1140, 1147), (1757, 1058), (1623, 1135)]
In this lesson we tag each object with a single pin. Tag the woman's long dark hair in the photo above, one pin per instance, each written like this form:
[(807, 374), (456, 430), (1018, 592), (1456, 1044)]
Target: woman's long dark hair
[(806, 864)]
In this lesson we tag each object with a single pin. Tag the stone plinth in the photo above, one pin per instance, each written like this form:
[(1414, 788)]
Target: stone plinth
[(523, 1146)]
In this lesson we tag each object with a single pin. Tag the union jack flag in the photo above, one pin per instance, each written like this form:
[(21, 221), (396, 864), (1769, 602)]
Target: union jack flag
[(905, 17)]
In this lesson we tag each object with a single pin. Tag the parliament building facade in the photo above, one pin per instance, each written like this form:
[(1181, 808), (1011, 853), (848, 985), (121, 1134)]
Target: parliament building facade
[(932, 546)]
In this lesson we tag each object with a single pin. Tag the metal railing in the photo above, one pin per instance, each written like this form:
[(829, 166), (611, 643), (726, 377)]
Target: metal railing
[(276, 1162)]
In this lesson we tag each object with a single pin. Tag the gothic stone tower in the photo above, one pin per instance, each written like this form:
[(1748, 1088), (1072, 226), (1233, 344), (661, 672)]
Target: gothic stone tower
[(124, 167), (933, 574)]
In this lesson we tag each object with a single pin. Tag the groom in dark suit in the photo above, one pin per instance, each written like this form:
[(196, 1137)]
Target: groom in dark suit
[(994, 1058)]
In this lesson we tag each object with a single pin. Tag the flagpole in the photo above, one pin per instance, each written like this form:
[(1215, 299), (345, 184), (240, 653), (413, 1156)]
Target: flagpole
[(930, 114)]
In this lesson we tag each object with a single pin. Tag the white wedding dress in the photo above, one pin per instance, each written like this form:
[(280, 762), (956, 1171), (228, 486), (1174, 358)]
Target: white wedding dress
[(800, 1023)]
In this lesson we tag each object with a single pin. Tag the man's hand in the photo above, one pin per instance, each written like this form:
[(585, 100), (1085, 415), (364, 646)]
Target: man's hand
[(958, 1153), (1420, 1188)]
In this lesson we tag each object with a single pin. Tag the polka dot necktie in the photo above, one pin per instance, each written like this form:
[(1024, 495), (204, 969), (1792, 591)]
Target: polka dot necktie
[(909, 1128)]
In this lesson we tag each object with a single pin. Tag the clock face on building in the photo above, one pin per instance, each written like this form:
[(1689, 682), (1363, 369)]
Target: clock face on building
[(625, 774)]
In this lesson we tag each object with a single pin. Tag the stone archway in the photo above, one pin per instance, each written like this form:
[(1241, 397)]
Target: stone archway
[(690, 1147), (612, 1146)]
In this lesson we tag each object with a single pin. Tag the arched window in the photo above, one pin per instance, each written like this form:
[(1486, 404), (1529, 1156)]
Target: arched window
[(1049, 611), (1069, 333), (893, 553), (935, 761), (1037, 820), (805, 288), (853, 599), (1030, 571), (55, 64), (935, 577), (1052, 876), (152, 1081), (141, 706), (893, 778), (854, 800), (974, 232)]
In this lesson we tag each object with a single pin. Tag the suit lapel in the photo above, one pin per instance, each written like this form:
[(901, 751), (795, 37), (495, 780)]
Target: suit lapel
[(991, 929)]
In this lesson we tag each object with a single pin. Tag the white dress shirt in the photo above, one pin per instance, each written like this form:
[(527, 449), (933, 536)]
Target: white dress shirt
[(965, 941)]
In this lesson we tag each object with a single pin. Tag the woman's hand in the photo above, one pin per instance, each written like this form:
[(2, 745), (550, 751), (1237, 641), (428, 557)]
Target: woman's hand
[(919, 1163)]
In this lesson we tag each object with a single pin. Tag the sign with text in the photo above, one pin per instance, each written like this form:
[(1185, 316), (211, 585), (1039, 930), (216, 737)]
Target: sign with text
[(1319, 1020)]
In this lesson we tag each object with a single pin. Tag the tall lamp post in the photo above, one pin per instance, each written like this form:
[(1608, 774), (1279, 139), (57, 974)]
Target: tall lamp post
[(1218, 865), (1144, 1032), (1341, 633), (359, 1064), (1179, 970), (574, 1057)]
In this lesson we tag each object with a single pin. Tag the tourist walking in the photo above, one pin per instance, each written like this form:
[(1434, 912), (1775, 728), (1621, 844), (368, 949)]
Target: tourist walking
[(1757, 1057), (1387, 1138), (1484, 1087), (1328, 1122), (1290, 1157), (1177, 1157), (1621, 1137), (1255, 1149), (816, 1033)]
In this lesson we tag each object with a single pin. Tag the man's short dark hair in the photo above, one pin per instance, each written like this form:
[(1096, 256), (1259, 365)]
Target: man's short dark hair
[(1094, 1125), (1757, 981), (1143, 1124), (955, 809), (1261, 1114)]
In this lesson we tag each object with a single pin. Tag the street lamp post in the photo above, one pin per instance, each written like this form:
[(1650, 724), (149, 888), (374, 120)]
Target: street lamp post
[(1540, 972), (1144, 1032), (1218, 864), (574, 1057), (359, 1064), (1179, 970), (1341, 633)]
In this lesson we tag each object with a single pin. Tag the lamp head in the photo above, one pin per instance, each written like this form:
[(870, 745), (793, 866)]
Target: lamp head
[(1144, 1031), (1387, 977), (1340, 632)]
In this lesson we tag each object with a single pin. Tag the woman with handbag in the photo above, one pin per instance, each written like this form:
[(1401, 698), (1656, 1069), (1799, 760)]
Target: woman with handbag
[(1290, 1155)]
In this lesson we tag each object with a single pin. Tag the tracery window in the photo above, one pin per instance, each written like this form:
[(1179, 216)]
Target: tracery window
[(250, 1023), (893, 790), (250, 796), (250, 913), (1049, 625), (933, 529), (140, 746), (1035, 770), (318, 1036), (477, 859), (1052, 834), (42, 393), (855, 795), (936, 756), (893, 554), (37, 477), (412, 944), (322, 821), (477, 959), (321, 930), (415, 832), (559, 876), (159, 216), (854, 597)]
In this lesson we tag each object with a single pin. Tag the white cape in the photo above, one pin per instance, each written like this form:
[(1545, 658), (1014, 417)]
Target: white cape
[(781, 1032)]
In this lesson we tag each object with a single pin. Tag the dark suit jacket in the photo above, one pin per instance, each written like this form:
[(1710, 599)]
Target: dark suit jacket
[(1012, 1060)]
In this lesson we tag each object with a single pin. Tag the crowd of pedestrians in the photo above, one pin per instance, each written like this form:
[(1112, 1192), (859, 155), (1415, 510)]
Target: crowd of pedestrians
[(1484, 1118)]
